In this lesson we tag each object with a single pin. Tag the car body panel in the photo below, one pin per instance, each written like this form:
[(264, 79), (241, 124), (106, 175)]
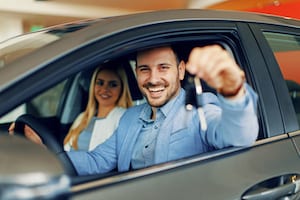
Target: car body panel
[(296, 140), (236, 171), (268, 106), (24, 164)]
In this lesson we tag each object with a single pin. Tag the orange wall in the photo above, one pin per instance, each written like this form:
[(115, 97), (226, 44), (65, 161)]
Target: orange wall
[(289, 64), (289, 9)]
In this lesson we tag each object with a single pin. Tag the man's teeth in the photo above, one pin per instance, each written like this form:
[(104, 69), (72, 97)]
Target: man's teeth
[(155, 89)]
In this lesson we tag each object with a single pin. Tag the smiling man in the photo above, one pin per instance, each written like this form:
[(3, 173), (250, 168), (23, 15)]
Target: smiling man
[(158, 79), (162, 129)]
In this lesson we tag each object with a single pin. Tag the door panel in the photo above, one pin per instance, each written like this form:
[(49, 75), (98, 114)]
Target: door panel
[(224, 177), (296, 139)]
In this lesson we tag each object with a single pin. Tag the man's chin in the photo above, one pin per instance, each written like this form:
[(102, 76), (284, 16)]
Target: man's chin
[(156, 102)]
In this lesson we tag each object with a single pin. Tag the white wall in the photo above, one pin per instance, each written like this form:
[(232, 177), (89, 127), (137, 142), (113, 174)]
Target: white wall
[(10, 27)]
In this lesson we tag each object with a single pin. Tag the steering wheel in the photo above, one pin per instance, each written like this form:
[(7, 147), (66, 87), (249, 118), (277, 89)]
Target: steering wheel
[(47, 138)]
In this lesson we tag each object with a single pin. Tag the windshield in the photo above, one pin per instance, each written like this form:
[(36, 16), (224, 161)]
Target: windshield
[(19, 46)]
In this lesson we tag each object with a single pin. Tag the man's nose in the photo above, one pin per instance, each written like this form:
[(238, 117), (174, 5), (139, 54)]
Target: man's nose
[(154, 76)]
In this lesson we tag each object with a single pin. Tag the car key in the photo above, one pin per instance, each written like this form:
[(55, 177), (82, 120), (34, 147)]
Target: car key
[(194, 98)]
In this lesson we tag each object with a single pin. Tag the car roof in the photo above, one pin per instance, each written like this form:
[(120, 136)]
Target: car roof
[(94, 30)]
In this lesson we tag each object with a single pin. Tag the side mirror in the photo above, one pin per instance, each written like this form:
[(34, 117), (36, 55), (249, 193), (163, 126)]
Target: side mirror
[(30, 171)]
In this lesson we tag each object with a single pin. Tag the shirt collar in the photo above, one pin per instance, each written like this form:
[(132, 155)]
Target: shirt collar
[(164, 110)]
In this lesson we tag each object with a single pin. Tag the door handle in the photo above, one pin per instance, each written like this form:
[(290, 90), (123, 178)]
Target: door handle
[(274, 188)]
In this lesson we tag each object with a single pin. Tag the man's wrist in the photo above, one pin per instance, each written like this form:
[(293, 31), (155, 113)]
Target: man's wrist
[(236, 92)]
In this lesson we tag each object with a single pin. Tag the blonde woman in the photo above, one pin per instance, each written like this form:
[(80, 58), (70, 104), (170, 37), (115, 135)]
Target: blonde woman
[(109, 96)]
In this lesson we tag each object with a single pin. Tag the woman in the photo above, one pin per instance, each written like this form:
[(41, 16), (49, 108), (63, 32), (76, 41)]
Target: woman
[(109, 96)]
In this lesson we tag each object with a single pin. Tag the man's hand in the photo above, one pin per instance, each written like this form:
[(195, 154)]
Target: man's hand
[(218, 69)]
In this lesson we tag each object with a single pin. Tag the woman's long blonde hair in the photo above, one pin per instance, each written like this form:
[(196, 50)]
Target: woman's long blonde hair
[(124, 101)]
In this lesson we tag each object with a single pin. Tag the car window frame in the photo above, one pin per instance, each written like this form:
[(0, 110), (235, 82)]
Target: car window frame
[(289, 117)]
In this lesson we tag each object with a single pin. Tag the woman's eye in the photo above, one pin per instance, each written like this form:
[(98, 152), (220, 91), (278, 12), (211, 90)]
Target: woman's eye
[(113, 84), (100, 82)]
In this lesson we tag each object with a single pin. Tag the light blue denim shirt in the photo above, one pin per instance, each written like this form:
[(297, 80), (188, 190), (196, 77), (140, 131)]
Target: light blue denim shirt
[(179, 134), (144, 151)]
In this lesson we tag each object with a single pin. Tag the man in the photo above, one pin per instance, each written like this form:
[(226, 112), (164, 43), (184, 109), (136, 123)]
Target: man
[(162, 129)]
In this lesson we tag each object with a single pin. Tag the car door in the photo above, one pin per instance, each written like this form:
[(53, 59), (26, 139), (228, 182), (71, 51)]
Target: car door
[(232, 173)]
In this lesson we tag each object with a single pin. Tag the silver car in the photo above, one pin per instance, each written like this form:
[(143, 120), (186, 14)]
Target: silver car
[(44, 79)]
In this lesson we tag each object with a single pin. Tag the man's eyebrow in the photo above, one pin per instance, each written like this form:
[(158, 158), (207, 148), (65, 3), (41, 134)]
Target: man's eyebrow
[(165, 63), (140, 66), (159, 64)]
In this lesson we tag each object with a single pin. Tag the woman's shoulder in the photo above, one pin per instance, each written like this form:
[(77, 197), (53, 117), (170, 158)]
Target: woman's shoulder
[(118, 111)]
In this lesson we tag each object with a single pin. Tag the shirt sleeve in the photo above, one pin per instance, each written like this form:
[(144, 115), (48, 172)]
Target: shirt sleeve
[(101, 160), (235, 123), (239, 103)]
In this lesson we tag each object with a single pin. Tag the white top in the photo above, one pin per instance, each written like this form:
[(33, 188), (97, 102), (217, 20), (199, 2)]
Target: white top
[(102, 129)]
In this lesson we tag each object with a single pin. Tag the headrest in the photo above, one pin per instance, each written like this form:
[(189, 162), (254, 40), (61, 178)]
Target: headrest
[(85, 79)]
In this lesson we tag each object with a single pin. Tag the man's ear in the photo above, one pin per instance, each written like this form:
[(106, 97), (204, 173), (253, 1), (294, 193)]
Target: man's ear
[(181, 70)]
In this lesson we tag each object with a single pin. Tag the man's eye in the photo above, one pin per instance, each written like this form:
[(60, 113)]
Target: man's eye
[(164, 67), (143, 69)]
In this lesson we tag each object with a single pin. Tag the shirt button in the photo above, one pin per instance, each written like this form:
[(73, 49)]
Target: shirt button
[(146, 146)]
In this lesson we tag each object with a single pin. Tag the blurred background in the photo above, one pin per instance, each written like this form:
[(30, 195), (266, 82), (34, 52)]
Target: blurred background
[(21, 16)]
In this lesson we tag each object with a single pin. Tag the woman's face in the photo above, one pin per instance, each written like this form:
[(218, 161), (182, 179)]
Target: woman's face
[(108, 88)]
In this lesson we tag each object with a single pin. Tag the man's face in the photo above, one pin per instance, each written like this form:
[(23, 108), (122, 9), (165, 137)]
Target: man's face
[(159, 75)]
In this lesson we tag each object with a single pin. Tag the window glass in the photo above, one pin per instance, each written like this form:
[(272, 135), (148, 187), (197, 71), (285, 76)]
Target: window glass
[(43, 105), (286, 48)]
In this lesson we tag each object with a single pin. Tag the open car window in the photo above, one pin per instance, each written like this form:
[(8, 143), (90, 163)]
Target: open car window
[(184, 49)]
